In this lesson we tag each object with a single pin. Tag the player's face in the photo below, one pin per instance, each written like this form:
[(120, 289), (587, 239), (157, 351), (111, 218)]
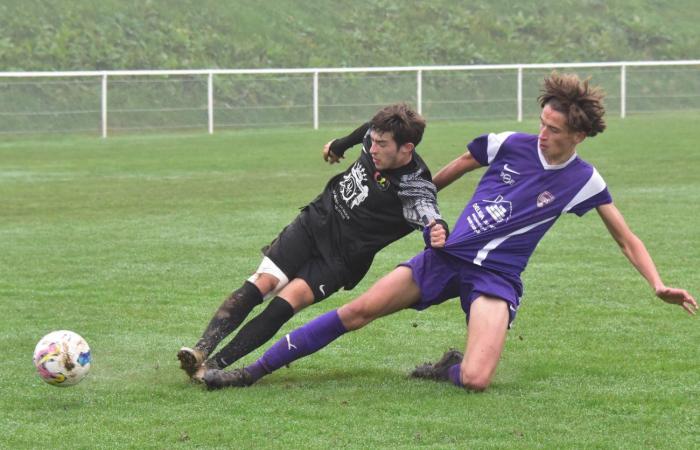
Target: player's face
[(557, 142), (386, 154)]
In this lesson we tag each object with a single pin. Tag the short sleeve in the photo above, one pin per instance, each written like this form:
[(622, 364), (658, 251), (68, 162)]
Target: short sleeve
[(593, 194), (485, 147), (478, 149), (601, 198)]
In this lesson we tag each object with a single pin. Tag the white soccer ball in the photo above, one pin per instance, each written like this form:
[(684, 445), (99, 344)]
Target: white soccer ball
[(62, 358)]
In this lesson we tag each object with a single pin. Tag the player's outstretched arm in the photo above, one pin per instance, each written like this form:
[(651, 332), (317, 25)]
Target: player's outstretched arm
[(635, 250), (335, 149), (329, 156), (455, 169)]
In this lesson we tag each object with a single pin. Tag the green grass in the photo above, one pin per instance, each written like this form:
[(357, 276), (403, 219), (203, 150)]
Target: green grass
[(134, 241), (186, 34)]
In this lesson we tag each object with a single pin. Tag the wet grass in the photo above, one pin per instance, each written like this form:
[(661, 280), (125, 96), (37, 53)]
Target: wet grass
[(134, 241)]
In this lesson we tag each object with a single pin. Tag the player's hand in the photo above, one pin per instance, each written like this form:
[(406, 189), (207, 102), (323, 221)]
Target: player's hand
[(679, 297), (329, 156), (438, 234)]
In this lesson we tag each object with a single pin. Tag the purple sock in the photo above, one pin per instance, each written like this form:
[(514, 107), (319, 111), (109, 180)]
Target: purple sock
[(454, 375), (301, 342)]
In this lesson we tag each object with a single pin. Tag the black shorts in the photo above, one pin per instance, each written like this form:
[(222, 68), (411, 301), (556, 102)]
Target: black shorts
[(296, 253)]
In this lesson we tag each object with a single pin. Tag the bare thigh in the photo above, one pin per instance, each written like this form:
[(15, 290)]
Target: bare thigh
[(486, 336), (393, 292)]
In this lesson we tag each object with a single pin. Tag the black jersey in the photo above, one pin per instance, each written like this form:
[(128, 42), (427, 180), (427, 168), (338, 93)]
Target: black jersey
[(362, 210)]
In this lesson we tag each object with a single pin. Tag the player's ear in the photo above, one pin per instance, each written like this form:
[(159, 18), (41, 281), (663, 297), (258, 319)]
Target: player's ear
[(408, 147), (579, 137)]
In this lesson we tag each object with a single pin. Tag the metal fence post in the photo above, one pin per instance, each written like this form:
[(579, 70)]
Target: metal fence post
[(315, 100), (419, 91), (210, 101), (520, 94), (104, 105), (623, 91)]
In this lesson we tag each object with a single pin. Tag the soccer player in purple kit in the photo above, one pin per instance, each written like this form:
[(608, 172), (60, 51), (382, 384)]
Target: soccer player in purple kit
[(529, 182)]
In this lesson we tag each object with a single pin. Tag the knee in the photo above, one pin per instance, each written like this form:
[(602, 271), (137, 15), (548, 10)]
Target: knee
[(265, 283), (474, 380), (355, 315)]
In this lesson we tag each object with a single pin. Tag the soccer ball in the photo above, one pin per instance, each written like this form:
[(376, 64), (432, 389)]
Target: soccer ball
[(62, 358)]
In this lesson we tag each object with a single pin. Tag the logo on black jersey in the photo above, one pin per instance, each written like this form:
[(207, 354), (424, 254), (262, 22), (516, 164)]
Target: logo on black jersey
[(381, 180), (352, 188)]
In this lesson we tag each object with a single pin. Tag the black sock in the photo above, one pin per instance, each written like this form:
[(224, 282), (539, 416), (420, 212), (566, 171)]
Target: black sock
[(229, 316), (256, 332)]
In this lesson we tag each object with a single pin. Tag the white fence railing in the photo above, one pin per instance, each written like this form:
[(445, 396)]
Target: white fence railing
[(123, 100)]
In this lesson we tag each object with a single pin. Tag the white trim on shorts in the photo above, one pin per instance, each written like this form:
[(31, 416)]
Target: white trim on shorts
[(269, 267)]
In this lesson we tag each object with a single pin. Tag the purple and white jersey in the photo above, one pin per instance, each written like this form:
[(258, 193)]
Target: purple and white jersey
[(518, 199)]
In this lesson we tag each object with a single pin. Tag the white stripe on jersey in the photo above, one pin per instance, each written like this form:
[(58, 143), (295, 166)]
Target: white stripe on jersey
[(495, 141), (594, 185), (483, 253)]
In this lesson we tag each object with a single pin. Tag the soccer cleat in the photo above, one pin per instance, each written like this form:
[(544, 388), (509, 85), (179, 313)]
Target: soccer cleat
[(440, 370), (191, 360), (198, 376), (218, 379)]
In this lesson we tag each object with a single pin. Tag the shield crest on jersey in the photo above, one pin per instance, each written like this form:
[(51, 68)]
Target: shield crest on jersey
[(544, 198), (352, 188)]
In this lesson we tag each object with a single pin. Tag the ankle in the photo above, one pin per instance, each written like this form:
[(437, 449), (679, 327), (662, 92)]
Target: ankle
[(256, 370)]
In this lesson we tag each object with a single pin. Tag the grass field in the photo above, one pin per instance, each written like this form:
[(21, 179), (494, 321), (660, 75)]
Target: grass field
[(134, 241)]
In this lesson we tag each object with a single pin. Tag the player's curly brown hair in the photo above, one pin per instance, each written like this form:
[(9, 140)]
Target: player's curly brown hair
[(581, 103), (401, 120)]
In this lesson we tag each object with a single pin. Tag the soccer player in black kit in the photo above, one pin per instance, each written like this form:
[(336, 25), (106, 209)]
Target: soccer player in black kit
[(381, 197)]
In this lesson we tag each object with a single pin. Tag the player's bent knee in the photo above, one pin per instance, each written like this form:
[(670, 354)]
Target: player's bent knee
[(355, 315), (269, 278), (476, 386), (265, 284), (474, 380)]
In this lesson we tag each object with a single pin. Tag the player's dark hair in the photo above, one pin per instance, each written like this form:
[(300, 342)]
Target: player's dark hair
[(580, 103), (399, 119)]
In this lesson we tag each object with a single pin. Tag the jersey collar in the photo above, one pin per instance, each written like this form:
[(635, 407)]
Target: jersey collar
[(548, 166)]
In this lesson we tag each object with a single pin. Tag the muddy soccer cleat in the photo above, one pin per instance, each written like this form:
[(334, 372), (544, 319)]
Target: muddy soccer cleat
[(440, 370), (218, 379), (198, 376), (191, 360)]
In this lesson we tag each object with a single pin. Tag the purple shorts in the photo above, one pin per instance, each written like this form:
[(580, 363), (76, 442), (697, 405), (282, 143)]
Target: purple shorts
[(441, 276)]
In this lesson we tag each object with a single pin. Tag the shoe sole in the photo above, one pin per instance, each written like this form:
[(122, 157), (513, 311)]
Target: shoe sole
[(189, 361)]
